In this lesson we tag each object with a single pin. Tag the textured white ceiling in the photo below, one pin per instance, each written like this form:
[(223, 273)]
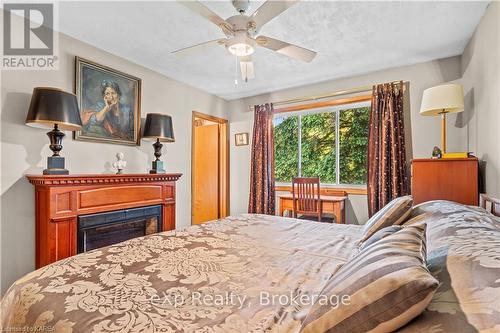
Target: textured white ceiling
[(350, 37)]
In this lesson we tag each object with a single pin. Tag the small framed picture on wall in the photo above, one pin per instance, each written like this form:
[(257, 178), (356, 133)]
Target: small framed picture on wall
[(241, 139)]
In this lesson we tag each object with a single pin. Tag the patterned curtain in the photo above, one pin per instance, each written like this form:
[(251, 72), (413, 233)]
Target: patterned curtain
[(387, 178), (262, 165)]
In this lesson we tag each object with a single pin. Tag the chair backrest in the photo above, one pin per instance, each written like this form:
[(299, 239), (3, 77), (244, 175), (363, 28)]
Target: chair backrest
[(495, 204), (306, 194)]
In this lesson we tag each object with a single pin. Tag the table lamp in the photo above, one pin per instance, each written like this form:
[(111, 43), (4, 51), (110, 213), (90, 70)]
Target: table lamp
[(54, 107), (158, 127), (440, 100)]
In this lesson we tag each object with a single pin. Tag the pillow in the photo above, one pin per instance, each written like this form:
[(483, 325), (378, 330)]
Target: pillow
[(394, 213), (422, 218), (384, 287), (382, 233)]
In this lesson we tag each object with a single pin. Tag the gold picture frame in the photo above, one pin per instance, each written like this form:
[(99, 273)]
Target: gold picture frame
[(109, 102), (241, 139)]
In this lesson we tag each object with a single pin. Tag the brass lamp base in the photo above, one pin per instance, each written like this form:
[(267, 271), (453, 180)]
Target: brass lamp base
[(443, 132)]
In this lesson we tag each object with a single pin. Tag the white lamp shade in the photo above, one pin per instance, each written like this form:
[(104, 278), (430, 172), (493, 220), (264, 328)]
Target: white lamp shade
[(447, 98)]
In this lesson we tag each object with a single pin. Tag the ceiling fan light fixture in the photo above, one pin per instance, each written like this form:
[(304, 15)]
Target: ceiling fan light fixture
[(241, 49), (241, 32), (241, 46)]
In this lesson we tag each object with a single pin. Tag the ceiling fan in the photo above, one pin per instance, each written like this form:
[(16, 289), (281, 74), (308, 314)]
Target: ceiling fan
[(242, 33)]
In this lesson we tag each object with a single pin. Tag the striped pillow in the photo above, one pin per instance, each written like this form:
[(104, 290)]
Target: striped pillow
[(386, 286), (382, 233), (394, 213)]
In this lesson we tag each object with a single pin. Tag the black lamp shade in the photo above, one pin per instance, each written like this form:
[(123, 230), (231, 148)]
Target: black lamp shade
[(51, 106), (158, 126)]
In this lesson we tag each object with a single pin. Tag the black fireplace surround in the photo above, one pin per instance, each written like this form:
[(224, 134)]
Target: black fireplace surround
[(103, 229)]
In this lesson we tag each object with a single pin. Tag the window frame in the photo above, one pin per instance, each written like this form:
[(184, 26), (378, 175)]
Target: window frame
[(337, 109)]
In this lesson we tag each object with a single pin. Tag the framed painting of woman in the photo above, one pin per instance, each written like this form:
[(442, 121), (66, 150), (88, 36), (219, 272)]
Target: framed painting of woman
[(110, 104)]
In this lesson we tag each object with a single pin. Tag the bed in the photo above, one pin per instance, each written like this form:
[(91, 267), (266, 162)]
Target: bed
[(247, 273)]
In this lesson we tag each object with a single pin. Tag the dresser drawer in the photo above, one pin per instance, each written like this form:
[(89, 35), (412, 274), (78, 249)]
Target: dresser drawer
[(445, 179)]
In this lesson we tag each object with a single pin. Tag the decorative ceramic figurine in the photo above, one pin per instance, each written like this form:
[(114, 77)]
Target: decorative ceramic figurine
[(436, 152), (120, 164)]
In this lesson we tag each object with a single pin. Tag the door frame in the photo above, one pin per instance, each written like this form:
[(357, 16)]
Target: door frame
[(223, 161)]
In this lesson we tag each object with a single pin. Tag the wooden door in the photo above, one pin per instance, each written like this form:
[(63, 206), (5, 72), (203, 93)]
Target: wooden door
[(206, 173)]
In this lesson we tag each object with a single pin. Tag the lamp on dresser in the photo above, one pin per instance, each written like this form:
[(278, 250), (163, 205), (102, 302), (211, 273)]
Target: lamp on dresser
[(440, 100), (158, 127), (53, 107)]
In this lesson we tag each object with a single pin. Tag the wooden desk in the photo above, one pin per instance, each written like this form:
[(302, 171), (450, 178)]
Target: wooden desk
[(330, 204)]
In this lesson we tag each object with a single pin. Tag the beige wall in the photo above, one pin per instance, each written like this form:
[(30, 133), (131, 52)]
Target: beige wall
[(481, 80), (476, 129), (24, 149), (425, 131)]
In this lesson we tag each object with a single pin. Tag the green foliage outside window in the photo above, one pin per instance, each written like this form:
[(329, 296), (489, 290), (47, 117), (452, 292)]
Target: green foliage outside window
[(318, 146), (353, 138), (286, 147)]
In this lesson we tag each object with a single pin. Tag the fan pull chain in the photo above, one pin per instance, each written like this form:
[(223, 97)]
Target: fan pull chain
[(246, 72), (236, 71)]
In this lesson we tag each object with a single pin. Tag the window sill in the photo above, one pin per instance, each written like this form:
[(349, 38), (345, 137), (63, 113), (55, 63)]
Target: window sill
[(328, 189)]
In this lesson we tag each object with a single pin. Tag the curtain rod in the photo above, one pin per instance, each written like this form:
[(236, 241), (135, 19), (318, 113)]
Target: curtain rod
[(329, 95)]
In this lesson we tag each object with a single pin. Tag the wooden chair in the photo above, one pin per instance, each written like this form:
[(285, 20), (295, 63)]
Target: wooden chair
[(306, 197), (495, 204)]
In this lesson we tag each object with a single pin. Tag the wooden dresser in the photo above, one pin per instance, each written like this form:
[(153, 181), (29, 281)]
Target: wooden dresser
[(447, 179), (61, 199)]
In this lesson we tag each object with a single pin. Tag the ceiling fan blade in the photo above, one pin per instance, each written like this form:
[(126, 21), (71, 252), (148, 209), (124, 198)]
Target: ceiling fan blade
[(269, 10), (246, 67), (198, 47), (293, 51), (201, 10)]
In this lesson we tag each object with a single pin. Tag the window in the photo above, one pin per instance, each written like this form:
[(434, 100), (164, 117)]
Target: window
[(331, 144)]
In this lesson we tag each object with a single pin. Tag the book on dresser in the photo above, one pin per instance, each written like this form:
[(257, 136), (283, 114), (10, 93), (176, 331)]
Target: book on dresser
[(454, 179)]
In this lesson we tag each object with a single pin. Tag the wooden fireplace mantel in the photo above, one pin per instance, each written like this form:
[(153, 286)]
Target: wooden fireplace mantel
[(54, 180), (60, 199)]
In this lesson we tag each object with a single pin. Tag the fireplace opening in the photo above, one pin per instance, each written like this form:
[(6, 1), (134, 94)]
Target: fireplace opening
[(103, 229)]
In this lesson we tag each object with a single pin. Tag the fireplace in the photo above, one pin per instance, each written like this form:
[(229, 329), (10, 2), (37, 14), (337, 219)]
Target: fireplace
[(103, 229), (61, 199)]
